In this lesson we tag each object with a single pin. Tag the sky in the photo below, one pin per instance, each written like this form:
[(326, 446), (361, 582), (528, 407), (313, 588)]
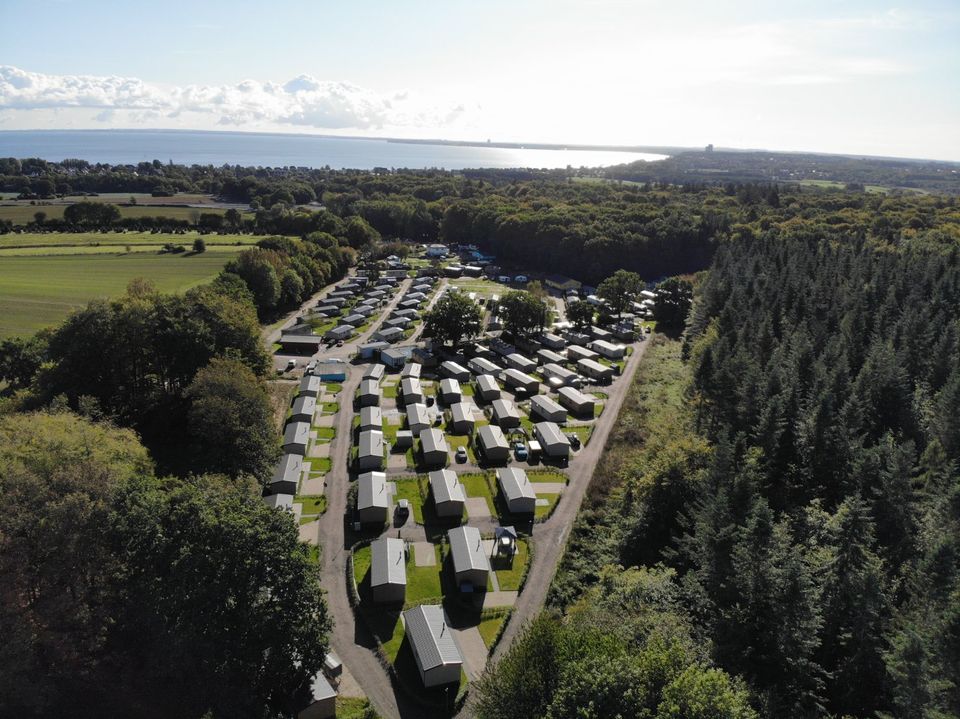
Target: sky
[(847, 77)]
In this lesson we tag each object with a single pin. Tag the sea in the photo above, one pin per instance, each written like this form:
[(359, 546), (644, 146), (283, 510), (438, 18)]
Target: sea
[(280, 150)]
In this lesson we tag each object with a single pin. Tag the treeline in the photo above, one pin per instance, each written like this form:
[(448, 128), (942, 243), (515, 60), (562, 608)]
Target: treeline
[(805, 490), (127, 594)]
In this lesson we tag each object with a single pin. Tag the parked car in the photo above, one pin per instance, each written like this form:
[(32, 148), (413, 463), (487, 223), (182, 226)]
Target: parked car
[(403, 509), (461, 455), (574, 440), (311, 366), (291, 364), (520, 451)]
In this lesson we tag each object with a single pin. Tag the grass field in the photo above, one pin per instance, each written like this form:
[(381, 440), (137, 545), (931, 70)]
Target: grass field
[(227, 251), (38, 292), (22, 214), (118, 239)]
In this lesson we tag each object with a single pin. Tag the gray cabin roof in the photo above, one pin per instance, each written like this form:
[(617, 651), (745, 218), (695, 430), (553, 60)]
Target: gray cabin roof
[(575, 396), (547, 405), (297, 433), (372, 490), (430, 638), (320, 688), (371, 443), (549, 433), (417, 414), (288, 469), (504, 408), (432, 440), (487, 383), (449, 386), (375, 372), (452, 368), (304, 404), (461, 412), (371, 417), (446, 487), (515, 484), (410, 386), (387, 562), (310, 383), (466, 549), (519, 378), (411, 369), (491, 436), (369, 387)]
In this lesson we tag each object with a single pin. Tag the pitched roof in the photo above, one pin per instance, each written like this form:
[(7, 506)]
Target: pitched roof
[(288, 469), (430, 638), (491, 436), (445, 486), (461, 412), (304, 404), (410, 386), (417, 414), (387, 562), (504, 408), (310, 383), (432, 440), (549, 433), (547, 405), (372, 490), (449, 386), (296, 433), (369, 387), (371, 417), (574, 395), (466, 548), (515, 484), (487, 383), (371, 443)]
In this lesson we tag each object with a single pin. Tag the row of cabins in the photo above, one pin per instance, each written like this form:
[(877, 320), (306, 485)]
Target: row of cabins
[(403, 315), (374, 495)]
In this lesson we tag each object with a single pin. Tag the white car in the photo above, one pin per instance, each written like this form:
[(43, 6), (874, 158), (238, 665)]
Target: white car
[(291, 364)]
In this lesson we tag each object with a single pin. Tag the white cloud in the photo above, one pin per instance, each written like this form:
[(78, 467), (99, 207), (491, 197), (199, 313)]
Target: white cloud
[(304, 101)]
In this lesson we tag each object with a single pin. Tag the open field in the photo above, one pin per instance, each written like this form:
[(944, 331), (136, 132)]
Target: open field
[(483, 288), (21, 214), (118, 239), (37, 292), (227, 251)]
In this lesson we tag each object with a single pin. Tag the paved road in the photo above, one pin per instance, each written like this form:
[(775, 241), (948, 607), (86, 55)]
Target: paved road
[(349, 638)]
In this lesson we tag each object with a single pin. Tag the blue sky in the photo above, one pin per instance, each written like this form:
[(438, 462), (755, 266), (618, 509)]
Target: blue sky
[(858, 77)]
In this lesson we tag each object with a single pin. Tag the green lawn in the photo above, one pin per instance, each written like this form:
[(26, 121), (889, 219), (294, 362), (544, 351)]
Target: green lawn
[(475, 485), (320, 465), (584, 432), (489, 628), (37, 292), (423, 583), (390, 391), (361, 563), (354, 708), (311, 505), (461, 440), (546, 475), (334, 388), (509, 574), (326, 432), (329, 407), (409, 489), (116, 239), (541, 512)]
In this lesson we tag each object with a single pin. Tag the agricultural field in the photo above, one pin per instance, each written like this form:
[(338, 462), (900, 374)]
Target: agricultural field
[(22, 214), (117, 239), (37, 292)]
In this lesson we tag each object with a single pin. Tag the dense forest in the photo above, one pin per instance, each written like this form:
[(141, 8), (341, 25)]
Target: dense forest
[(786, 493)]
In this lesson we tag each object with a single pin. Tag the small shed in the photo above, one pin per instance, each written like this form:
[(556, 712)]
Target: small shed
[(546, 409), (434, 647), (455, 371), (410, 390), (371, 418), (310, 386), (373, 499), (286, 475), (370, 450), (576, 401), (331, 371), (388, 570), (595, 370), (608, 349), (395, 357), (418, 419), (487, 387), (375, 372), (303, 409), (321, 700), (492, 444), (515, 379), (368, 394), (505, 414), (434, 447), (296, 436), (448, 494), (517, 490), (461, 418), (553, 442), (470, 562), (450, 391)]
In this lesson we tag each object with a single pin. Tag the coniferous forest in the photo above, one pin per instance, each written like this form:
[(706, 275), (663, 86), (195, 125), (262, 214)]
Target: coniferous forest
[(781, 505)]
